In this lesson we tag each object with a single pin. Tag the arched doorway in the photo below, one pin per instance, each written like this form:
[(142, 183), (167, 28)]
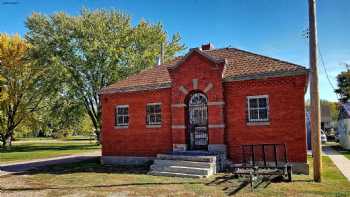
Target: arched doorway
[(197, 121)]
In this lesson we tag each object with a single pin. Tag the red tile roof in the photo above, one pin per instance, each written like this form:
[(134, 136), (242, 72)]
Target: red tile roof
[(157, 76), (239, 65), (243, 63)]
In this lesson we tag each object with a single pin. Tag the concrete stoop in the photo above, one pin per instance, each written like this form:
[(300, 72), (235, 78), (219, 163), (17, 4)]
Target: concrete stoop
[(193, 166)]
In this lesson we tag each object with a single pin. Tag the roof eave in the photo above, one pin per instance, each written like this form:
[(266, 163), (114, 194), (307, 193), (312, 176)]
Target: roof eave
[(265, 75), (136, 88)]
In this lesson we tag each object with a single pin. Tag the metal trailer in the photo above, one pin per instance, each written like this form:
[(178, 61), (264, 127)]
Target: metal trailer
[(261, 161)]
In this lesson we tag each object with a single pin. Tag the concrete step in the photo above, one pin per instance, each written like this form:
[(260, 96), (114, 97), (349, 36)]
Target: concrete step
[(184, 163), (183, 170), (174, 174), (189, 165), (211, 159)]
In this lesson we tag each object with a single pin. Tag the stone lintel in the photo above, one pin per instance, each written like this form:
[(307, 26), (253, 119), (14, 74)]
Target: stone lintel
[(183, 90), (220, 103), (195, 84), (178, 127), (209, 87), (179, 105), (216, 126)]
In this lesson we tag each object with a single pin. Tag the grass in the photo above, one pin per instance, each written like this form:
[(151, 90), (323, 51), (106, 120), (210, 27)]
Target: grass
[(33, 148), (92, 179)]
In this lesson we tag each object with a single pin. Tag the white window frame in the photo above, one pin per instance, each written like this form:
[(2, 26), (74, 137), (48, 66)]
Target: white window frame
[(258, 108), (148, 120), (117, 124)]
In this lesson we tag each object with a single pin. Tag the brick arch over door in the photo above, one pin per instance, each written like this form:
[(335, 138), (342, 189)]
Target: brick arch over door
[(197, 73)]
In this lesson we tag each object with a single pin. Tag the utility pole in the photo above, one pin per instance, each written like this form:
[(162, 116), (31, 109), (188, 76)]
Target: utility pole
[(314, 95)]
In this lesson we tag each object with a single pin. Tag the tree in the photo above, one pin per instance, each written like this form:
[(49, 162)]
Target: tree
[(3, 93), (332, 106), (343, 89), (63, 116), (96, 48), (25, 82), (59, 117)]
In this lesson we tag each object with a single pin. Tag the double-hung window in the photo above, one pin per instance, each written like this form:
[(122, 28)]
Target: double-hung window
[(122, 115), (153, 114), (258, 108)]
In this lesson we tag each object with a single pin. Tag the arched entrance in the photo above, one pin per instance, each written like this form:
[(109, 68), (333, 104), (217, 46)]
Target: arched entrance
[(197, 121)]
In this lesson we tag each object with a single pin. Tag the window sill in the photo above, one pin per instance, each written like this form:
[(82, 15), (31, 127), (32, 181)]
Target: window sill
[(154, 126), (264, 123), (121, 127)]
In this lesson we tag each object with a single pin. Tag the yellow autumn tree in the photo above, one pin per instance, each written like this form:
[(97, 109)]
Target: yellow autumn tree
[(11, 51), (22, 83), (3, 93)]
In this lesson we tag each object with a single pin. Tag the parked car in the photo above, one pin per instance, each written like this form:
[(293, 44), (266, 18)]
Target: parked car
[(323, 137)]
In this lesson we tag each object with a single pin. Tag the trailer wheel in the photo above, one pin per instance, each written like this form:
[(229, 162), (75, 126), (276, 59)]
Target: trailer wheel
[(289, 173)]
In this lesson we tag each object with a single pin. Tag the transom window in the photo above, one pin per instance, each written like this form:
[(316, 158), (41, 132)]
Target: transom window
[(198, 109), (122, 115), (258, 108), (153, 116)]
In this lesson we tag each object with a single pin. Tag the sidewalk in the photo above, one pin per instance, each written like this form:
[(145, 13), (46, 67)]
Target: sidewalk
[(342, 163), (18, 167)]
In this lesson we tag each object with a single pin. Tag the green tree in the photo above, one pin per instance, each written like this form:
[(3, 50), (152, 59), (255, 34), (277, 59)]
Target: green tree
[(26, 85), (333, 108), (61, 117), (96, 48), (343, 89), (85, 126), (3, 93)]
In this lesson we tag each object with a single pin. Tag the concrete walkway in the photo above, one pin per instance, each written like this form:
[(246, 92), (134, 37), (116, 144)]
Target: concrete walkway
[(18, 167), (342, 163)]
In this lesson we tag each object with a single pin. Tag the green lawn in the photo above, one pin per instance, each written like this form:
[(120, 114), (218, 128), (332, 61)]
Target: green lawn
[(92, 179), (38, 148)]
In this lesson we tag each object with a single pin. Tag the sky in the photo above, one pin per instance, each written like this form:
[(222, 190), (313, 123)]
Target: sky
[(270, 27)]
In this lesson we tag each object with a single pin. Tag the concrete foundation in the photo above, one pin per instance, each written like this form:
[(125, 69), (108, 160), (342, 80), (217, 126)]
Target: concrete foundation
[(300, 168), (126, 160)]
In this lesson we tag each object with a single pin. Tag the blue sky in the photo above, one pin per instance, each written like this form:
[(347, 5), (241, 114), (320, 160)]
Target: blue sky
[(270, 27)]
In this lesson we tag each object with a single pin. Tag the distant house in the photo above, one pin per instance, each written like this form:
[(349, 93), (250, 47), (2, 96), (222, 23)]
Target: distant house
[(343, 129), (212, 100), (326, 118)]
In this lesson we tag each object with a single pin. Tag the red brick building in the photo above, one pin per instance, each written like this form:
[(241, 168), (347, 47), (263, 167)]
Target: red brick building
[(210, 99)]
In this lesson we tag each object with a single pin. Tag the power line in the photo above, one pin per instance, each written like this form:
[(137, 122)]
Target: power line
[(324, 67), (325, 70), (305, 35)]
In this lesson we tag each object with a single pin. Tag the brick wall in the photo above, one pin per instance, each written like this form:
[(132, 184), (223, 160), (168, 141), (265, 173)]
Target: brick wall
[(197, 73), (136, 140), (287, 115)]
